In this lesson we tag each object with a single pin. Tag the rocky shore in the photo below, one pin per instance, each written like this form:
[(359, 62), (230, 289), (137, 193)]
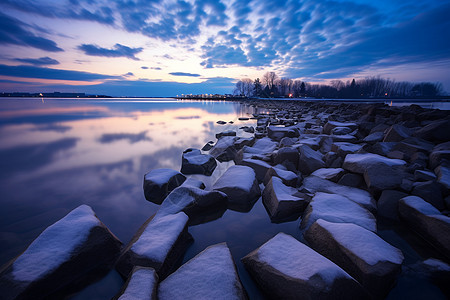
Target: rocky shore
[(339, 169)]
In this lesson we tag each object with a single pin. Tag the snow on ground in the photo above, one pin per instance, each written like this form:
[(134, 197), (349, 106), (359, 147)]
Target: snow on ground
[(293, 258), (141, 285), (159, 236), (241, 177), (55, 244), (363, 243), (338, 209), (209, 275)]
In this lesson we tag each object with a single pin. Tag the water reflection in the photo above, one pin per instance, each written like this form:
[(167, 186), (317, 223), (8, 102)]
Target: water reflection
[(62, 153)]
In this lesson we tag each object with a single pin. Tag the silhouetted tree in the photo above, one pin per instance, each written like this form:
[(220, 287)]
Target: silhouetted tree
[(257, 88)]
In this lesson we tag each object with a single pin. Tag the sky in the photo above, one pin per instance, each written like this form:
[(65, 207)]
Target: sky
[(166, 48)]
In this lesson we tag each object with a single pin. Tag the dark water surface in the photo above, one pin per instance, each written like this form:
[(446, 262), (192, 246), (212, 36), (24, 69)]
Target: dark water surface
[(58, 154)]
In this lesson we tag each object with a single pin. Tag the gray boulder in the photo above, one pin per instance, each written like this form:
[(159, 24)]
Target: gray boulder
[(287, 177), (427, 221), (159, 243), (381, 176), (285, 268), (142, 284), (332, 174), (374, 137), (287, 154), (360, 252), (338, 209), (239, 183), (352, 180), (282, 202), (437, 131), (387, 204), (443, 176), (224, 149), (260, 167), (429, 191), (397, 133), (159, 183), (277, 133), (225, 133), (194, 162), (309, 160), (211, 274), (63, 255), (330, 125)]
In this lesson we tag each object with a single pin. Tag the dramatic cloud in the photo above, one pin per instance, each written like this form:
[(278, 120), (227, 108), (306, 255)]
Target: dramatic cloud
[(117, 51), (130, 137), (38, 61), (47, 73), (15, 32), (184, 74)]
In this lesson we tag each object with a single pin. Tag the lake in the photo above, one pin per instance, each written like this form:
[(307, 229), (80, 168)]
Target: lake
[(57, 154)]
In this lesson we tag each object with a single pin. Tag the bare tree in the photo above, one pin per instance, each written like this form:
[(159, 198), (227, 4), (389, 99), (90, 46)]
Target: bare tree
[(269, 78)]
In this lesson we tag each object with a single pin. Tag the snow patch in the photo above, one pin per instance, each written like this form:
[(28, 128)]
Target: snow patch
[(293, 258), (363, 243), (160, 176), (55, 244), (140, 285), (241, 177), (159, 236), (421, 205)]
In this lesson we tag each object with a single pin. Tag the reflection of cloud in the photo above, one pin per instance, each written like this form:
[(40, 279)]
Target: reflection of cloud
[(53, 127), (187, 117), (28, 158), (131, 137)]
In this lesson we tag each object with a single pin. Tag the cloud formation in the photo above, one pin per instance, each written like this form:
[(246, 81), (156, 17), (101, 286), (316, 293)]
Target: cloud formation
[(184, 74), (117, 51), (38, 61)]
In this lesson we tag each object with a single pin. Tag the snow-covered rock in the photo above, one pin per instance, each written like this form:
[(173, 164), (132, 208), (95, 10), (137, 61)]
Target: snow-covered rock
[(289, 178), (159, 244), (209, 275), (159, 183), (362, 197), (288, 154), (194, 202), (192, 182), (330, 125), (427, 221), (239, 183), (277, 133), (260, 167), (309, 160), (194, 162), (344, 148), (429, 191), (285, 268), (282, 202), (359, 163), (374, 137), (437, 131), (225, 133), (141, 285), (360, 252), (443, 176), (224, 149), (333, 174), (60, 256), (341, 130), (338, 209)]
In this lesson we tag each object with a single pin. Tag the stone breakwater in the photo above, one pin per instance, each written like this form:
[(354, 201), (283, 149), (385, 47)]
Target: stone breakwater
[(340, 169)]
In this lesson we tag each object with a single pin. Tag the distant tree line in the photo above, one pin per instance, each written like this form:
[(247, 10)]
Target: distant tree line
[(271, 86)]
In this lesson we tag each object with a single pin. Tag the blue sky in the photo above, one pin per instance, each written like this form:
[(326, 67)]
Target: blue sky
[(164, 48)]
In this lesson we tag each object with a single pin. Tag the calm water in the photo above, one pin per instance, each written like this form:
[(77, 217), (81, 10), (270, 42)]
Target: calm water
[(57, 154)]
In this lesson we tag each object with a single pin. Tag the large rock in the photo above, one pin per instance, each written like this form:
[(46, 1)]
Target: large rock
[(285, 268), (282, 202), (260, 167), (330, 125), (437, 157), (224, 149), (209, 275), (159, 183), (344, 148), (333, 174), (387, 204), (374, 137), (427, 221), (380, 177), (287, 154), (429, 191), (397, 133), (198, 204), (141, 285), (443, 176), (437, 131), (159, 243), (315, 184), (288, 178), (359, 163), (194, 162), (309, 160), (239, 183), (225, 133), (60, 257), (360, 252), (277, 133), (338, 209)]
